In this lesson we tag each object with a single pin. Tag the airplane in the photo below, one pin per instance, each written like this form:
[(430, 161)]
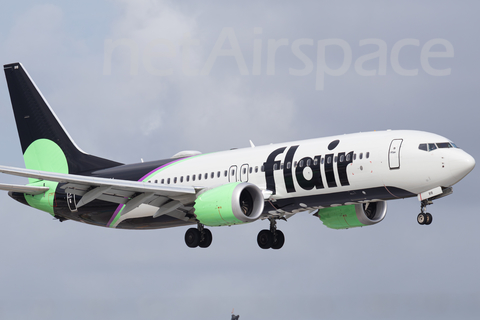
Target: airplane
[(344, 180)]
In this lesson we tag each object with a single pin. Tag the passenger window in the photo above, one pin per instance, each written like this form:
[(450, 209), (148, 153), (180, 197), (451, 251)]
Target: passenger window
[(289, 165), (212, 175), (315, 162), (329, 160), (367, 155), (349, 156), (193, 178), (181, 179), (275, 166), (168, 181), (251, 169), (281, 166), (354, 156), (244, 170), (163, 181), (360, 156), (300, 164), (233, 172), (263, 169), (199, 176), (431, 146), (188, 178), (218, 174), (323, 160), (175, 180), (226, 173), (206, 176), (423, 146), (309, 163), (335, 159), (342, 158), (256, 169), (295, 164)]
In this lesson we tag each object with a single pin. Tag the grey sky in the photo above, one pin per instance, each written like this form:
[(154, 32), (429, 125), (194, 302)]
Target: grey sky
[(393, 270)]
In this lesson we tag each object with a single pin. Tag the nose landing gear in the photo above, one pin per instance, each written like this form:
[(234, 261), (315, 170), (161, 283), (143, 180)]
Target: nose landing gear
[(424, 218)]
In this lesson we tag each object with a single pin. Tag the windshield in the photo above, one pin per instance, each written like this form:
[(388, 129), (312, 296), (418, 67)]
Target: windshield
[(438, 145)]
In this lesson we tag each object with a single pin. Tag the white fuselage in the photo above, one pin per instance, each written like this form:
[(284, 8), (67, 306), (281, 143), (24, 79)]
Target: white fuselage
[(374, 163), (354, 170), (414, 170)]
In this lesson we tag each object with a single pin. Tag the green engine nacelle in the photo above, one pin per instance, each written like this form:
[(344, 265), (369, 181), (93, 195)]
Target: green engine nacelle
[(354, 215), (233, 203)]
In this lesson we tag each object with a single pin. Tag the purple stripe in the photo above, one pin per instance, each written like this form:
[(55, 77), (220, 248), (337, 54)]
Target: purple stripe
[(115, 214), (155, 170), (141, 179)]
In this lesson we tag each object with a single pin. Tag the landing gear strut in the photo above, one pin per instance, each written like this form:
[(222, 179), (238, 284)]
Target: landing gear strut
[(424, 218), (199, 237), (272, 238)]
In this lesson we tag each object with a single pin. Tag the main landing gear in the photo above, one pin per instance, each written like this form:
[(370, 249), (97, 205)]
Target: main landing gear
[(424, 218), (199, 237), (272, 238)]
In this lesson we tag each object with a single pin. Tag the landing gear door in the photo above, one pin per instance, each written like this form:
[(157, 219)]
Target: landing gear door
[(394, 154)]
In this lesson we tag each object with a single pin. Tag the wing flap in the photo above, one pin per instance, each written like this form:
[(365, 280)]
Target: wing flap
[(33, 190), (130, 193), (114, 199), (88, 181)]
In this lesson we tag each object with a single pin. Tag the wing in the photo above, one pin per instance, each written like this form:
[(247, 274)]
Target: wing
[(23, 189), (130, 193)]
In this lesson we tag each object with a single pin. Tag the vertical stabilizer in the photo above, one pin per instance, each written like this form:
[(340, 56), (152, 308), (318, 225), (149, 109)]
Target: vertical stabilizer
[(46, 144)]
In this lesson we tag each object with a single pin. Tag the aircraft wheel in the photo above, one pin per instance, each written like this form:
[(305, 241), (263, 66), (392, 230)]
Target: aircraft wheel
[(192, 238), (428, 218), (265, 239), (207, 239), (421, 218), (279, 240)]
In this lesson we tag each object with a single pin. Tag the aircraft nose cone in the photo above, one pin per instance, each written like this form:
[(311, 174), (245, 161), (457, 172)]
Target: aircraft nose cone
[(463, 164)]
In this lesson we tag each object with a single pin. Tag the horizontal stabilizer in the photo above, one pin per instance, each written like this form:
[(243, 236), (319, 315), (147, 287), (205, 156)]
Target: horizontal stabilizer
[(23, 189)]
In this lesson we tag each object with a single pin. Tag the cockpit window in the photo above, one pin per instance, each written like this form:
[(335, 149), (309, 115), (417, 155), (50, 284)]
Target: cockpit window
[(444, 145), (438, 145), (423, 146)]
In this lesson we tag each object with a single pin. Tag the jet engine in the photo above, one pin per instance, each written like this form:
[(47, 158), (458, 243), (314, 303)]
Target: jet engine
[(230, 204), (354, 215)]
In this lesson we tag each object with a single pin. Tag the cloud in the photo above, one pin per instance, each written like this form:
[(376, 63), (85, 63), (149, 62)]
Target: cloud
[(38, 30), (396, 269)]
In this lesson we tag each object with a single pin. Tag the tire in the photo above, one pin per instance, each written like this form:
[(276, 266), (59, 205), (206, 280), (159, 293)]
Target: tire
[(421, 218), (279, 240), (265, 239), (207, 239), (429, 218), (192, 238)]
